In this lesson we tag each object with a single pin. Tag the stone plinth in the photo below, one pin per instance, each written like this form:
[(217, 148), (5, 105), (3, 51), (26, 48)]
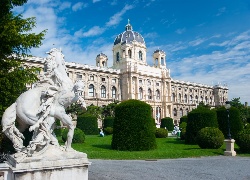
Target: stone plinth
[(229, 147), (54, 164)]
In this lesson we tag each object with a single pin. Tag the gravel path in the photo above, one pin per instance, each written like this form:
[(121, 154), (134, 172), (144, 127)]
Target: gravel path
[(204, 168)]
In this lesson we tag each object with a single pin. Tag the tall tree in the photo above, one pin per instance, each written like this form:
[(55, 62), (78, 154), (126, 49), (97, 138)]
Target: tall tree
[(244, 110), (16, 40)]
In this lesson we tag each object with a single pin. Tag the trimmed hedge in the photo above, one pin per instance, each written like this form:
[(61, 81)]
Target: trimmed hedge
[(88, 124), (108, 122), (134, 127), (197, 119), (235, 122), (243, 140), (161, 133), (183, 119), (108, 130), (183, 127), (79, 136), (168, 123), (210, 138)]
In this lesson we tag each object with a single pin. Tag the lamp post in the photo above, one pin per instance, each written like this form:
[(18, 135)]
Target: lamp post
[(229, 141), (227, 106)]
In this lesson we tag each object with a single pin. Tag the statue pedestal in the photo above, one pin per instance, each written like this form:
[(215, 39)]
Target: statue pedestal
[(229, 147), (54, 164)]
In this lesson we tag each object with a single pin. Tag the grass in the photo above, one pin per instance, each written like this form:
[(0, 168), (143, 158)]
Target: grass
[(98, 147)]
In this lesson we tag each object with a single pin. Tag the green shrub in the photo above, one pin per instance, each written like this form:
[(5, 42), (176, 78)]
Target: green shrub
[(79, 136), (108, 122), (88, 124), (183, 127), (183, 119), (161, 133), (167, 122), (210, 138), (247, 126), (108, 130), (58, 129), (235, 122), (134, 127), (197, 119), (243, 140)]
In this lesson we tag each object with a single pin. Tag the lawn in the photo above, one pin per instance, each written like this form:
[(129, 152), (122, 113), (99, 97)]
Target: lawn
[(98, 147)]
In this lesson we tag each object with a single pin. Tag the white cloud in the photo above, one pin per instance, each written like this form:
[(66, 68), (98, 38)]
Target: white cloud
[(229, 65), (65, 5), (94, 1), (94, 31), (78, 6), (180, 31), (197, 42), (115, 19), (221, 11)]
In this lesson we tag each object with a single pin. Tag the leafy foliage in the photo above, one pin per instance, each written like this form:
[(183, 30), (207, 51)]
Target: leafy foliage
[(108, 130), (243, 140), (161, 133), (109, 110), (16, 40), (183, 119), (244, 110), (167, 122), (210, 138), (108, 122), (88, 124), (183, 127), (235, 122), (79, 136), (197, 119), (134, 128)]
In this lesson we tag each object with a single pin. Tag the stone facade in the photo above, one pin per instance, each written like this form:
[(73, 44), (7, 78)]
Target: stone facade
[(131, 77)]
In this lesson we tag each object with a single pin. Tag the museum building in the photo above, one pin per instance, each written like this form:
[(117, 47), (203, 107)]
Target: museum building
[(131, 77)]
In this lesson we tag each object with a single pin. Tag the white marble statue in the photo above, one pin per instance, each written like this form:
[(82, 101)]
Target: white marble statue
[(38, 108)]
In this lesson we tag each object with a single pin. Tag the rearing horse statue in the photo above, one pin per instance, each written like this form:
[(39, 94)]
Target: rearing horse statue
[(38, 107)]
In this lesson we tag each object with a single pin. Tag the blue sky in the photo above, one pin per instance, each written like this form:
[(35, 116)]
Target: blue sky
[(206, 41)]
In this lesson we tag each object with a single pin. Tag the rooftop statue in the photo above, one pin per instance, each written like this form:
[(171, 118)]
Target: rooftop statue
[(38, 108)]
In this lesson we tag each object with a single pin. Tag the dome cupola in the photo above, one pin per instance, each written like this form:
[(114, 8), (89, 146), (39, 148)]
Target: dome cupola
[(128, 36)]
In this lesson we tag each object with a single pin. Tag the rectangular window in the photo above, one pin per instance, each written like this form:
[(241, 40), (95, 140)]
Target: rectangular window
[(113, 80), (103, 79), (78, 76), (157, 84), (91, 78)]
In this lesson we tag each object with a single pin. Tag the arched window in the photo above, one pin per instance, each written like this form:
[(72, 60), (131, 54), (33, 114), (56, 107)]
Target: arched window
[(162, 61), (185, 98), (173, 97), (196, 99), (140, 55), (201, 98), (175, 112), (211, 100), (140, 93), (158, 96), (113, 92), (103, 63), (149, 94), (117, 57), (91, 90), (156, 61), (179, 98), (103, 91), (191, 99), (181, 112), (129, 53), (187, 111)]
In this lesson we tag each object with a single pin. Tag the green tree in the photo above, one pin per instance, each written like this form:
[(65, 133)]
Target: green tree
[(109, 110), (244, 110), (16, 40)]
